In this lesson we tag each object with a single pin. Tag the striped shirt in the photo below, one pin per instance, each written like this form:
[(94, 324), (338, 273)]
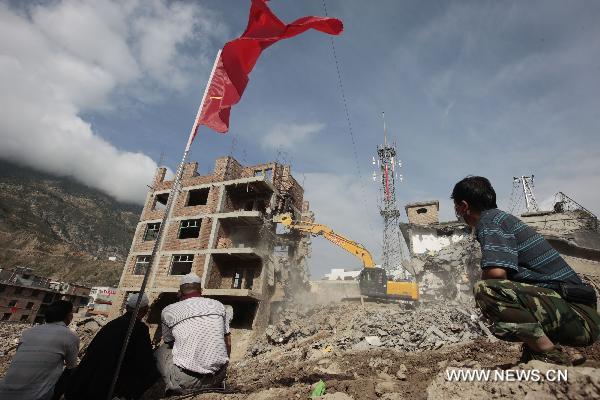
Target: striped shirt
[(508, 243), (197, 326), (43, 352)]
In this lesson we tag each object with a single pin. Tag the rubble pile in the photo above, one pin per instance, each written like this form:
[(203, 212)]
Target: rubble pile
[(9, 339), (86, 329), (354, 327), (449, 272)]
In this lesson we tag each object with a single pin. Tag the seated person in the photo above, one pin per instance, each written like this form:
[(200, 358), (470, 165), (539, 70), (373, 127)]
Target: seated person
[(43, 352), (93, 378), (197, 340)]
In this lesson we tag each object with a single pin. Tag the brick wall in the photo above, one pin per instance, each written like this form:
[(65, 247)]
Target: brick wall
[(423, 214), (180, 209), (173, 243), (20, 310)]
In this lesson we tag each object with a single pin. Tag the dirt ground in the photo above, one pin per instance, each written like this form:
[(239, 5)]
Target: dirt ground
[(370, 374)]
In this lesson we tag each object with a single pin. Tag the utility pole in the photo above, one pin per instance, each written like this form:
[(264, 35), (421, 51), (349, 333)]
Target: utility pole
[(526, 183), (387, 163)]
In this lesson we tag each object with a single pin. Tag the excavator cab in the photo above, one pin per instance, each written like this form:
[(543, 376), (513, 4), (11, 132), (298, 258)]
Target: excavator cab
[(373, 282)]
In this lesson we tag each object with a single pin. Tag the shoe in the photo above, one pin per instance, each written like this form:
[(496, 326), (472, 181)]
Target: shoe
[(576, 357), (553, 356)]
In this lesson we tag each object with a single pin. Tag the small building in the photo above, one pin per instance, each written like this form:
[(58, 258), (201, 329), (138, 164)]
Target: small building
[(24, 296), (424, 233), (340, 274), (423, 212)]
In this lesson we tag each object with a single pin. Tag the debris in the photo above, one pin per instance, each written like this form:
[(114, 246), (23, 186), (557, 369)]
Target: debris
[(373, 341), (430, 326), (401, 374), (489, 334), (318, 390)]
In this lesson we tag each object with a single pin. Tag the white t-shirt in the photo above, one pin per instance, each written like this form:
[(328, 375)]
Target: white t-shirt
[(197, 326), (43, 352)]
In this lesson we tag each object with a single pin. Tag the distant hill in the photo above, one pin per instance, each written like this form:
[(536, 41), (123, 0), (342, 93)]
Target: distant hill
[(61, 228)]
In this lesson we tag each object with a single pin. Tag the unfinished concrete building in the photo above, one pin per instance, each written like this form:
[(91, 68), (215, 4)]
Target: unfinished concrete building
[(222, 228)]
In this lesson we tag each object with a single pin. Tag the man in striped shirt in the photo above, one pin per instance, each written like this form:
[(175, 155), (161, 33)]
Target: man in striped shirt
[(526, 289), (197, 340)]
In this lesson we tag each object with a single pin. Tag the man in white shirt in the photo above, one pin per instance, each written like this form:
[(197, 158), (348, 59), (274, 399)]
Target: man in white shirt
[(43, 352), (197, 340)]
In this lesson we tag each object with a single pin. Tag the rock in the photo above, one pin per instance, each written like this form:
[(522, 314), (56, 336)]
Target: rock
[(362, 345), (401, 373), (269, 394), (335, 396), (393, 396), (331, 369), (373, 341), (386, 387)]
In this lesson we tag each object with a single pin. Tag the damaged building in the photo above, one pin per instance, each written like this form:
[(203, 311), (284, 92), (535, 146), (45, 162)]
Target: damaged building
[(443, 254), (222, 228)]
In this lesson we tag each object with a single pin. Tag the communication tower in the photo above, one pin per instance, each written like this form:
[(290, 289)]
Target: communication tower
[(395, 250)]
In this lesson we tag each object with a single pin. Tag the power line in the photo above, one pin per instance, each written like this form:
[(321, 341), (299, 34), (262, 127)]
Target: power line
[(348, 121)]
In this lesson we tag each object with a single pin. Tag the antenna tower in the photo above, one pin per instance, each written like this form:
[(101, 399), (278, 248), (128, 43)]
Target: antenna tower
[(526, 183), (388, 164)]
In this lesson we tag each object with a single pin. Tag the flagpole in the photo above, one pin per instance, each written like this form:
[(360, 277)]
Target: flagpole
[(159, 235)]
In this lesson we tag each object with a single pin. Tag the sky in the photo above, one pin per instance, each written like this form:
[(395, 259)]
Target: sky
[(105, 90)]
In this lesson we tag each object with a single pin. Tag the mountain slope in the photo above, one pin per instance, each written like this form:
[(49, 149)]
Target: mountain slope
[(61, 228)]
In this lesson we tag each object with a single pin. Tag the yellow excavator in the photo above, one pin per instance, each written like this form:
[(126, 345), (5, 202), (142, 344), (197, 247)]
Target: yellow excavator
[(373, 280)]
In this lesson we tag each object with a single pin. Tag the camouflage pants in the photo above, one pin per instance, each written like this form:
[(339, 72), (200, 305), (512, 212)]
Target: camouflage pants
[(520, 311)]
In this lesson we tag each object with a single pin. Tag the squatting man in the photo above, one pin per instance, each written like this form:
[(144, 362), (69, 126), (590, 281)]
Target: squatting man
[(197, 341), (527, 289)]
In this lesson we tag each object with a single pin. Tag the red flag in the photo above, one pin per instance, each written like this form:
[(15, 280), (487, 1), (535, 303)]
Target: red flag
[(239, 56)]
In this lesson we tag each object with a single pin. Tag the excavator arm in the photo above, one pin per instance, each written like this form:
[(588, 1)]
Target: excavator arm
[(373, 280), (350, 246)]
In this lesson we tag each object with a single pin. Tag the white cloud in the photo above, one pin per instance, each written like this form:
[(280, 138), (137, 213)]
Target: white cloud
[(286, 136), (60, 59)]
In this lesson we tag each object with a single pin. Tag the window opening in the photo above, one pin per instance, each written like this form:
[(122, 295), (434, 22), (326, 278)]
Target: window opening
[(197, 197), (6, 316), (269, 174), (160, 201), (152, 231), (29, 306), (24, 317), (18, 290), (421, 210), (12, 303), (48, 297), (182, 264), (141, 265), (189, 228)]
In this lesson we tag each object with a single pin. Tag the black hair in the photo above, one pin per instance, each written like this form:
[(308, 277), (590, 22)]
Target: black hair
[(477, 191), (58, 311)]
